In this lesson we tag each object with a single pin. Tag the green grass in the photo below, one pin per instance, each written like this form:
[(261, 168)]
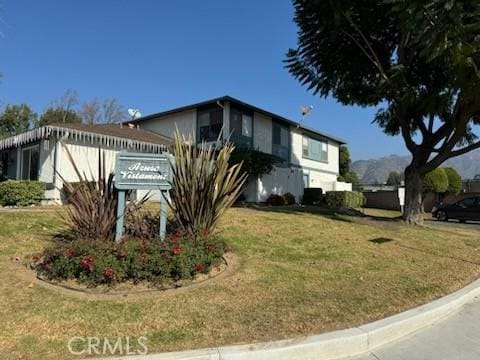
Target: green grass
[(300, 273)]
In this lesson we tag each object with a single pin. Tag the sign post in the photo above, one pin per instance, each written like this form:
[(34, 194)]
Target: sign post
[(141, 171)]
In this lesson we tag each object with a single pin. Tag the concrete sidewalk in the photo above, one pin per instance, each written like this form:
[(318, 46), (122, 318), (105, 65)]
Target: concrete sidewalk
[(454, 338)]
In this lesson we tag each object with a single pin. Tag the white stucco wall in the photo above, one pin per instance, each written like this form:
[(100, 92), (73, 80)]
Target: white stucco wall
[(332, 166), (186, 121), (280, 181)]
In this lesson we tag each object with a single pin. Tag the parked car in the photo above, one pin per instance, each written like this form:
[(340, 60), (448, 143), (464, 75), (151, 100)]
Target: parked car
[(463, 210)]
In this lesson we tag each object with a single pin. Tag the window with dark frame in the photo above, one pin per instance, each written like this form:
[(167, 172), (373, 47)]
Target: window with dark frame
[(210, 123), (30, 162), (281, 143), (241, 127)]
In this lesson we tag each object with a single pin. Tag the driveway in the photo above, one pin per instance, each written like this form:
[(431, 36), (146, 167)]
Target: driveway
[(470, 225), (456, 338)]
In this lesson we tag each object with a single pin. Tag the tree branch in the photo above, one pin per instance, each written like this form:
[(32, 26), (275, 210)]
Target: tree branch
[(373, 55)]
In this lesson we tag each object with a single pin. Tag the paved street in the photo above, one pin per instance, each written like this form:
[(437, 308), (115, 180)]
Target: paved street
[(456, 338)]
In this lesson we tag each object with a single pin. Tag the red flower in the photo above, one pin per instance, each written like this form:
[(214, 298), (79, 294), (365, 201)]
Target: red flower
[(142, 257), (211, 248), (87, 263), (35, 258), (206, 232), (69, 252), (177, 249), (200, 268), (109, 273)]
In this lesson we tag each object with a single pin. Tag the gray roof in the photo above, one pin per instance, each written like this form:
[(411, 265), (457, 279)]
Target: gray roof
[(243, 104)]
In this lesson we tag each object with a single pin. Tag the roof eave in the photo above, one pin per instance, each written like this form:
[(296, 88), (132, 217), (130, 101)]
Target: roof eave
[(241, 103)]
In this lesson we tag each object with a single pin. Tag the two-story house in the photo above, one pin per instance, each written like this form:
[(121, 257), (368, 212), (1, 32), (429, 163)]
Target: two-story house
[(310, 157)]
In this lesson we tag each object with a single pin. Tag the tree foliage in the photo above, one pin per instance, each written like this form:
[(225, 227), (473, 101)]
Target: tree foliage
[(345, 161), (344, 167), (394, 178), (102, 112), (59, 116), (254, 162), (16, 119), (454, 181), (436, 181), (421, 60)]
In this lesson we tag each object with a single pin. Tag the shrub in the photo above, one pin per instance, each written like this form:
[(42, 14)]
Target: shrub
[(142, 224), (436, 181), (275, 200), (312, 196), (289, 198), (344, 199), (21, 192), (93, 263), (204, 185), (92, 213), (454, 181), (254, 162)]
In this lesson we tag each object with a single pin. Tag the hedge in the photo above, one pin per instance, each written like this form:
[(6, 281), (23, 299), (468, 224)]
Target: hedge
[(21, 192), (344, 199), (312, 196)]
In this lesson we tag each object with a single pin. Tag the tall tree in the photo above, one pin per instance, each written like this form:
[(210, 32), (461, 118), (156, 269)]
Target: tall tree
[(16, 119), (421, 60), (344, 167), (65, 105), (106, 112), (58, 116), (344, 160), (394, 178)]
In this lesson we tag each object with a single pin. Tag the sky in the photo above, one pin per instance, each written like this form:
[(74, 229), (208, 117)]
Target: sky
[(156, 55)]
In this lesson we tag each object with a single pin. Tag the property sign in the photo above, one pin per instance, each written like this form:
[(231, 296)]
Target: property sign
[(142, 171)]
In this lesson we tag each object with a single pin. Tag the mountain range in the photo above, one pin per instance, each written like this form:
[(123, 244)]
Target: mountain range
[(375, 171)]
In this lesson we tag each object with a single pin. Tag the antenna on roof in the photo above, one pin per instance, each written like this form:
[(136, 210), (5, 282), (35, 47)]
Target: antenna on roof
[(134, 113), (305, 110)]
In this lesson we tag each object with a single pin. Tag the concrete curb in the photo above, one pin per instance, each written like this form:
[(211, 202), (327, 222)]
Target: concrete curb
[(336, 344)]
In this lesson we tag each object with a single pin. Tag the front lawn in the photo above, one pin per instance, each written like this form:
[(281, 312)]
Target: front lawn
[(300, 273)]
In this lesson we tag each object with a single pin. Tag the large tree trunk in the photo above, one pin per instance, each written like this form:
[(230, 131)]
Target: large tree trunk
[(413, 210)]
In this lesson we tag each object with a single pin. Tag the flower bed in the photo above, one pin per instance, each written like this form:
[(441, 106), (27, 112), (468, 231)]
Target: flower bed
[(158, 262)]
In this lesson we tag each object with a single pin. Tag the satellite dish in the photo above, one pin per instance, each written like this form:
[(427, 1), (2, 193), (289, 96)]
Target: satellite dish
[(134, 113)]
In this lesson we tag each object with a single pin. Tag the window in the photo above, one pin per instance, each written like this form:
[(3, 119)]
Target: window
[(468, 203), (241, 125), (210, 123), (281, 143), (314, 149), (306, 181), (30, 162)]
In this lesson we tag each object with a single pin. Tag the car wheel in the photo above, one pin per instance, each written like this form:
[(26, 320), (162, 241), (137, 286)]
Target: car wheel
[(442, 215)]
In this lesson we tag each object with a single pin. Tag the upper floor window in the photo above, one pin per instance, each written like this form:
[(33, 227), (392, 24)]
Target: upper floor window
[(281, 142), (241, 127), (210, 123), (314, 149)]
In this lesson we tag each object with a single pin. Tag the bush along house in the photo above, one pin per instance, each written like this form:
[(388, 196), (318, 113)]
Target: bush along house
[(308, 158), (40, 154)]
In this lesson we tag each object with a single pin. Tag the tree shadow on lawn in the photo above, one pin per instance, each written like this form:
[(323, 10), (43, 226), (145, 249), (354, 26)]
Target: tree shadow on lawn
[(345, 216), (299, 210), (383, 240)]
